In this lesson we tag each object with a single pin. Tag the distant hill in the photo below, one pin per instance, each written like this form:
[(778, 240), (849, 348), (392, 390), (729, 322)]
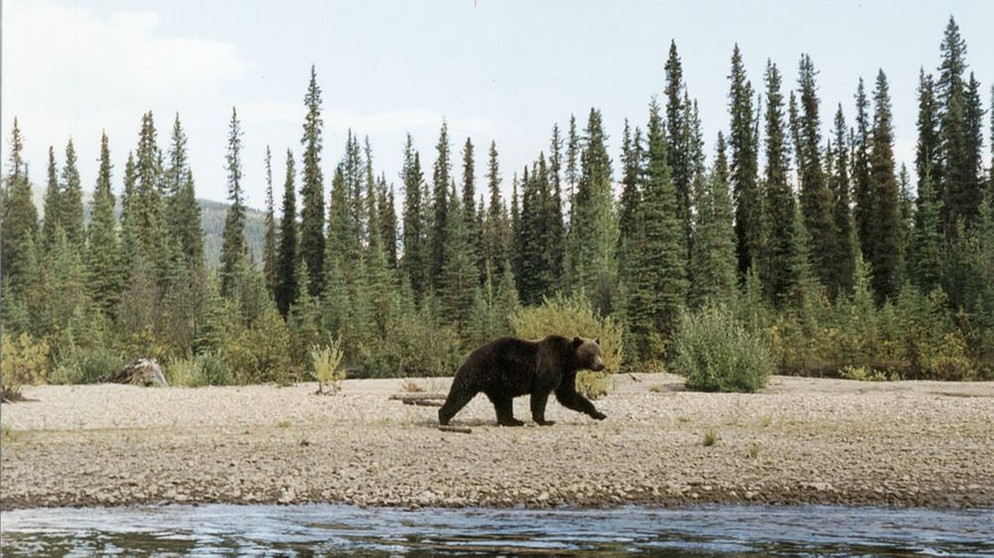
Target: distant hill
[(212, 215)]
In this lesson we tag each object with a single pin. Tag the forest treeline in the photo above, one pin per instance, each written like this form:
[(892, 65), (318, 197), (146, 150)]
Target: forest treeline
[(812, 237)]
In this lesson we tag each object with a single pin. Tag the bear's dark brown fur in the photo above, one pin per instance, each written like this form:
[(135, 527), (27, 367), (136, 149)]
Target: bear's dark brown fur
[(508, 367)]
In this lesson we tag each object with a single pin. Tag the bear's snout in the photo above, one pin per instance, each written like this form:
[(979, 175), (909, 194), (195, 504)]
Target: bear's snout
[(597, 365)]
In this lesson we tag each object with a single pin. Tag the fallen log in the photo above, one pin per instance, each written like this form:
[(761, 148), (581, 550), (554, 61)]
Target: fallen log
[(423, 402), (405, 397), (459, 429)]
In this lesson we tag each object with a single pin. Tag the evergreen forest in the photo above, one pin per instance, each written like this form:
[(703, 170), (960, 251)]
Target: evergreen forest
[(801, 227)]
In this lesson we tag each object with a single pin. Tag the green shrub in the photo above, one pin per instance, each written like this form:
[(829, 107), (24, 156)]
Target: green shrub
[(414, 345), (571, 317), (24, 362), (183, 372), (574, 317), (85, 366), (214, 370), (325, 360), (260, 353), (716, 353)]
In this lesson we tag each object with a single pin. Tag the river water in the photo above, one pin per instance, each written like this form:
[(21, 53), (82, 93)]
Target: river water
[(323, 530)]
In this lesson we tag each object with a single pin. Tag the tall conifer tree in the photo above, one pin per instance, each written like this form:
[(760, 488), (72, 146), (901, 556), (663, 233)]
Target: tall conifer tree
[(885, 254), (596, 228), (20, 216), (777, 251), (441, 182), (844, 260), (744, 167), (862, 195), (269, 233), (71, 201), (658, 289), (102, 253), (496, 229), (234, 248), (712, 265), (815, 196), (415, 239), (312, 223), (288, 283)]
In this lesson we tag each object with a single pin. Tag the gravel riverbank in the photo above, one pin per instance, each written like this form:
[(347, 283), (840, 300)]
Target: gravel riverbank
[(798, 441)]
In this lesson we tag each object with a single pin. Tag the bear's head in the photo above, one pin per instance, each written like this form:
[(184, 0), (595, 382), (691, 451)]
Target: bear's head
[(588, 354)]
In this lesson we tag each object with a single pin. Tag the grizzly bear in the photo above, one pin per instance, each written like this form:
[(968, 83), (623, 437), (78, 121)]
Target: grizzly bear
[(508, 367)]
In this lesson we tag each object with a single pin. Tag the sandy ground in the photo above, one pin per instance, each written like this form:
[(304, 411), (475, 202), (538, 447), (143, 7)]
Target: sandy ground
[(798, 441)]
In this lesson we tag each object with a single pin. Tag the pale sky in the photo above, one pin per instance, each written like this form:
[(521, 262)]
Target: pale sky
[(495, 70)]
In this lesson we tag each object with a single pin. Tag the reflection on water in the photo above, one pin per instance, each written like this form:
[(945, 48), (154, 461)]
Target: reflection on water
[(308, 530)]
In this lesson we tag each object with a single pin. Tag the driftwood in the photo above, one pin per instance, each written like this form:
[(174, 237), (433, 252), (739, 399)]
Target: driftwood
[(145, 372), (423, 402), (417, 396), (459, 429)]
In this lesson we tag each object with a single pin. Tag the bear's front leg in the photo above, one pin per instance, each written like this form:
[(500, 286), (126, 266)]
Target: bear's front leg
[(571, 399), (538, 401)]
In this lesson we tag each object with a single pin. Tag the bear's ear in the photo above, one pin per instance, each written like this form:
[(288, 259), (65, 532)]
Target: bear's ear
[(598, 340), (577, 342)]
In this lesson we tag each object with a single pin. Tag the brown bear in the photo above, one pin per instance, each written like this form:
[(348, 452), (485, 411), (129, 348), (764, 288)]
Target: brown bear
[(508, 367)]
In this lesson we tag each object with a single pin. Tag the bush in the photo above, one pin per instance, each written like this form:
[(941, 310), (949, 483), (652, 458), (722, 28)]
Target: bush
[(715, 353), (571, 317), (325, 360), (24, 362), (85, 366), (574, 317), (261, 353), (414, 345), (202, 370)]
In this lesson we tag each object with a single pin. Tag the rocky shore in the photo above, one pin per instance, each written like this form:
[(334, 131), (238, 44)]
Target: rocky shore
[(798, 441)]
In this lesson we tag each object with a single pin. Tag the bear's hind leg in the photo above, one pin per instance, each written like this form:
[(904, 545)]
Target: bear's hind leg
[(505, 410)]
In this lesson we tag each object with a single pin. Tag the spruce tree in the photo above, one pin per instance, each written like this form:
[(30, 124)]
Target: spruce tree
[(862, 196), (958, 171), (631, 165), (19, 223), (269, 239), (780, 234), (102, 250), (342, 245), (460, 278), (844, 260), (556, 245), (815, 197), (596, 228), (658, 288), (146, 201), (51, 203), (388, 221), (183, 211), (928, 163), (885, 255), (441, 178), (415, 240), (744, 167), (496, 229), (234, 248), (71, 201), (678, 137), (712, 265), (312, 222), (287, 283)]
